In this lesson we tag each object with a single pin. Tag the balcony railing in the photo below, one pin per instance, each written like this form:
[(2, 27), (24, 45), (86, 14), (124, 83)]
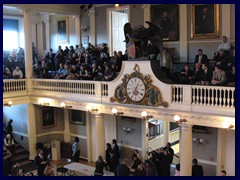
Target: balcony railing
[(188, 96)]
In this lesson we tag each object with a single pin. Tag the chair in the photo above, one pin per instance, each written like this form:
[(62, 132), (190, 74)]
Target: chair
[(61, 168)]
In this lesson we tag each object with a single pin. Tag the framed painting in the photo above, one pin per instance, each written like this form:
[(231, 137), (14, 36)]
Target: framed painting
[(166, 17), (205, 21), (48, 117), (86, 39), (77, 117), (62, 30)]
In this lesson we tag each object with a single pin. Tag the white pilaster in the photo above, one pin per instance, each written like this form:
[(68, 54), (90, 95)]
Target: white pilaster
[(92, 15), (146, 13), (46, 20), (67, 127), (183, 33), (77, 29), (221, 150), (145, 136), (100, 136), (186, 150), (226, 16), (89, 137), (32, 138), (165, 133)]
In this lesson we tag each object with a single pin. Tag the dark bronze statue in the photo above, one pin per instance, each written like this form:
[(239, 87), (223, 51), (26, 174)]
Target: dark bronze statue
[(137, 39)]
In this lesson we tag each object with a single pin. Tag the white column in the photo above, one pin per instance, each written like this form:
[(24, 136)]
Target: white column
[(47, 30), (186, 150), (28, 43), (165, 133), (92, 15), (100, 135), (67, 127), (145, 136), (221, 150), (226, 16), (183, 33), (32, 138), (146, 13), (89, 137), (77, 29)]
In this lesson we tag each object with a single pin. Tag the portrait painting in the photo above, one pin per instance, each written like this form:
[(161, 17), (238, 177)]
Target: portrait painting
[(48, 116), (205, 20), (86, 39), (166, 17), (77, 117), (62, 30)]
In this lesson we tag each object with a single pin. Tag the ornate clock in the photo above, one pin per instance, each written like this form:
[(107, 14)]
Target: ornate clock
[(137, 88)]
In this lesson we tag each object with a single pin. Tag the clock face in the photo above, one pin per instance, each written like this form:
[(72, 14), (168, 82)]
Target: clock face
[(136, 89)]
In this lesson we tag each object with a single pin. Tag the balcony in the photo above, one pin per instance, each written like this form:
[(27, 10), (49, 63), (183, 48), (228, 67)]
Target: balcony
[(213, 100)]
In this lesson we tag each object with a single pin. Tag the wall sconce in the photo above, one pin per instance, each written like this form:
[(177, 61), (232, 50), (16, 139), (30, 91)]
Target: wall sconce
[(116, 5), (91, 109), (127, 130), (228, 125), (9, 104), (178, 120), (84, 28), (43, 102), (63, 105), (146, 116), (198, 141), (116, 113)]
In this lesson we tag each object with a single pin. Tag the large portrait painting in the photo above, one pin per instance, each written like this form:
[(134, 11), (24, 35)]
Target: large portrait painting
[(205, 20), (77, 117), (48, 116), (62, 30), (166, 17)]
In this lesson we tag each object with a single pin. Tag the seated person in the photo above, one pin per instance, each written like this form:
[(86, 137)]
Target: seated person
[(219, 76), (6, 72), (43, 70), (220, 57), (201, 58), (197, 74), (17, 73), (94, 72), (65, 72), (224, 45), (109, 73), (21, 172), (74, 73), (36, 71), (206, 76), (185, 75), (59, 71), (231, 77)]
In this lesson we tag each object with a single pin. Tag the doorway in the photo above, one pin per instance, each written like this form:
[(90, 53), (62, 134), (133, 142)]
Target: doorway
[(116, 19)]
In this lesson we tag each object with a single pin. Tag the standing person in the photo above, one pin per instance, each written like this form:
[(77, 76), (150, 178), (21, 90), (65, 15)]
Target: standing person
[(170, 150), (122, 169), (165, 62), (223, 173), (197, 170), (99, 165), (9, 127), (40, 162), (108, 155), (115, 148), (75, 149), (201, 58)]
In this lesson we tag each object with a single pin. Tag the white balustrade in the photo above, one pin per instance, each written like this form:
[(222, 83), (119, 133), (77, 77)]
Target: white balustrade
[(14, 85)]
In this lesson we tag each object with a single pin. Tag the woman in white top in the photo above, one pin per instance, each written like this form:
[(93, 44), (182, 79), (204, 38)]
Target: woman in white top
[(17, 73)]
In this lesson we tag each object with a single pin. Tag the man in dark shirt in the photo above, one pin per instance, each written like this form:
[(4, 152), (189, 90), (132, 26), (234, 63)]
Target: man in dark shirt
[(122, 169), (197, 170)]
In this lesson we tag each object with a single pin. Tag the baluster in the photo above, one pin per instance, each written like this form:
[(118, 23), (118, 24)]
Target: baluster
[(223, 98), (7, 84), (193, 95), (204, 96), (212, 97), (200, 96), (177, 95), (220, 97), (181, 100), (228, 98), (232, 98)]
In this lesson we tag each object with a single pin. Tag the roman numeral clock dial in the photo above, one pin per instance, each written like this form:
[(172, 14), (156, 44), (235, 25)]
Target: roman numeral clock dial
[(136, 89)]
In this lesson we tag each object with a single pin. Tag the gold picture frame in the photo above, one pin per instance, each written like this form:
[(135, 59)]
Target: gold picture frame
[(205, 21), (62, 30), (48, 118), (77, 117)]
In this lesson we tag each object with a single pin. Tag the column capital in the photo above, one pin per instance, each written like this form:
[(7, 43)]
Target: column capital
[(46, 19), (27, 10), (145, 6), (186, 127)]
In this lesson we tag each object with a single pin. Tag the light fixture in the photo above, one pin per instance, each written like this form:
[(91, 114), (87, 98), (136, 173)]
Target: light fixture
[(63, 105), (178, 120), (91, 109), (84, 28), (116, 112), (227, 125), (198, 141), (116, 5), (145, 115), (9, 104), (43, 102), (127, 130)]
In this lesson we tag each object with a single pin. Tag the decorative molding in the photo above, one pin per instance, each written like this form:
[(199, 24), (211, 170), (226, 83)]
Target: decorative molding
[(49, 133), (77, 135), (130, 147)]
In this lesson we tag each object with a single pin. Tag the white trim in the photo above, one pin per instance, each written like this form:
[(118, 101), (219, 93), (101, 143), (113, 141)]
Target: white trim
[(77, 135), (205, 41), (20, 133), (130, 147), (207, 162), (48, 133)]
